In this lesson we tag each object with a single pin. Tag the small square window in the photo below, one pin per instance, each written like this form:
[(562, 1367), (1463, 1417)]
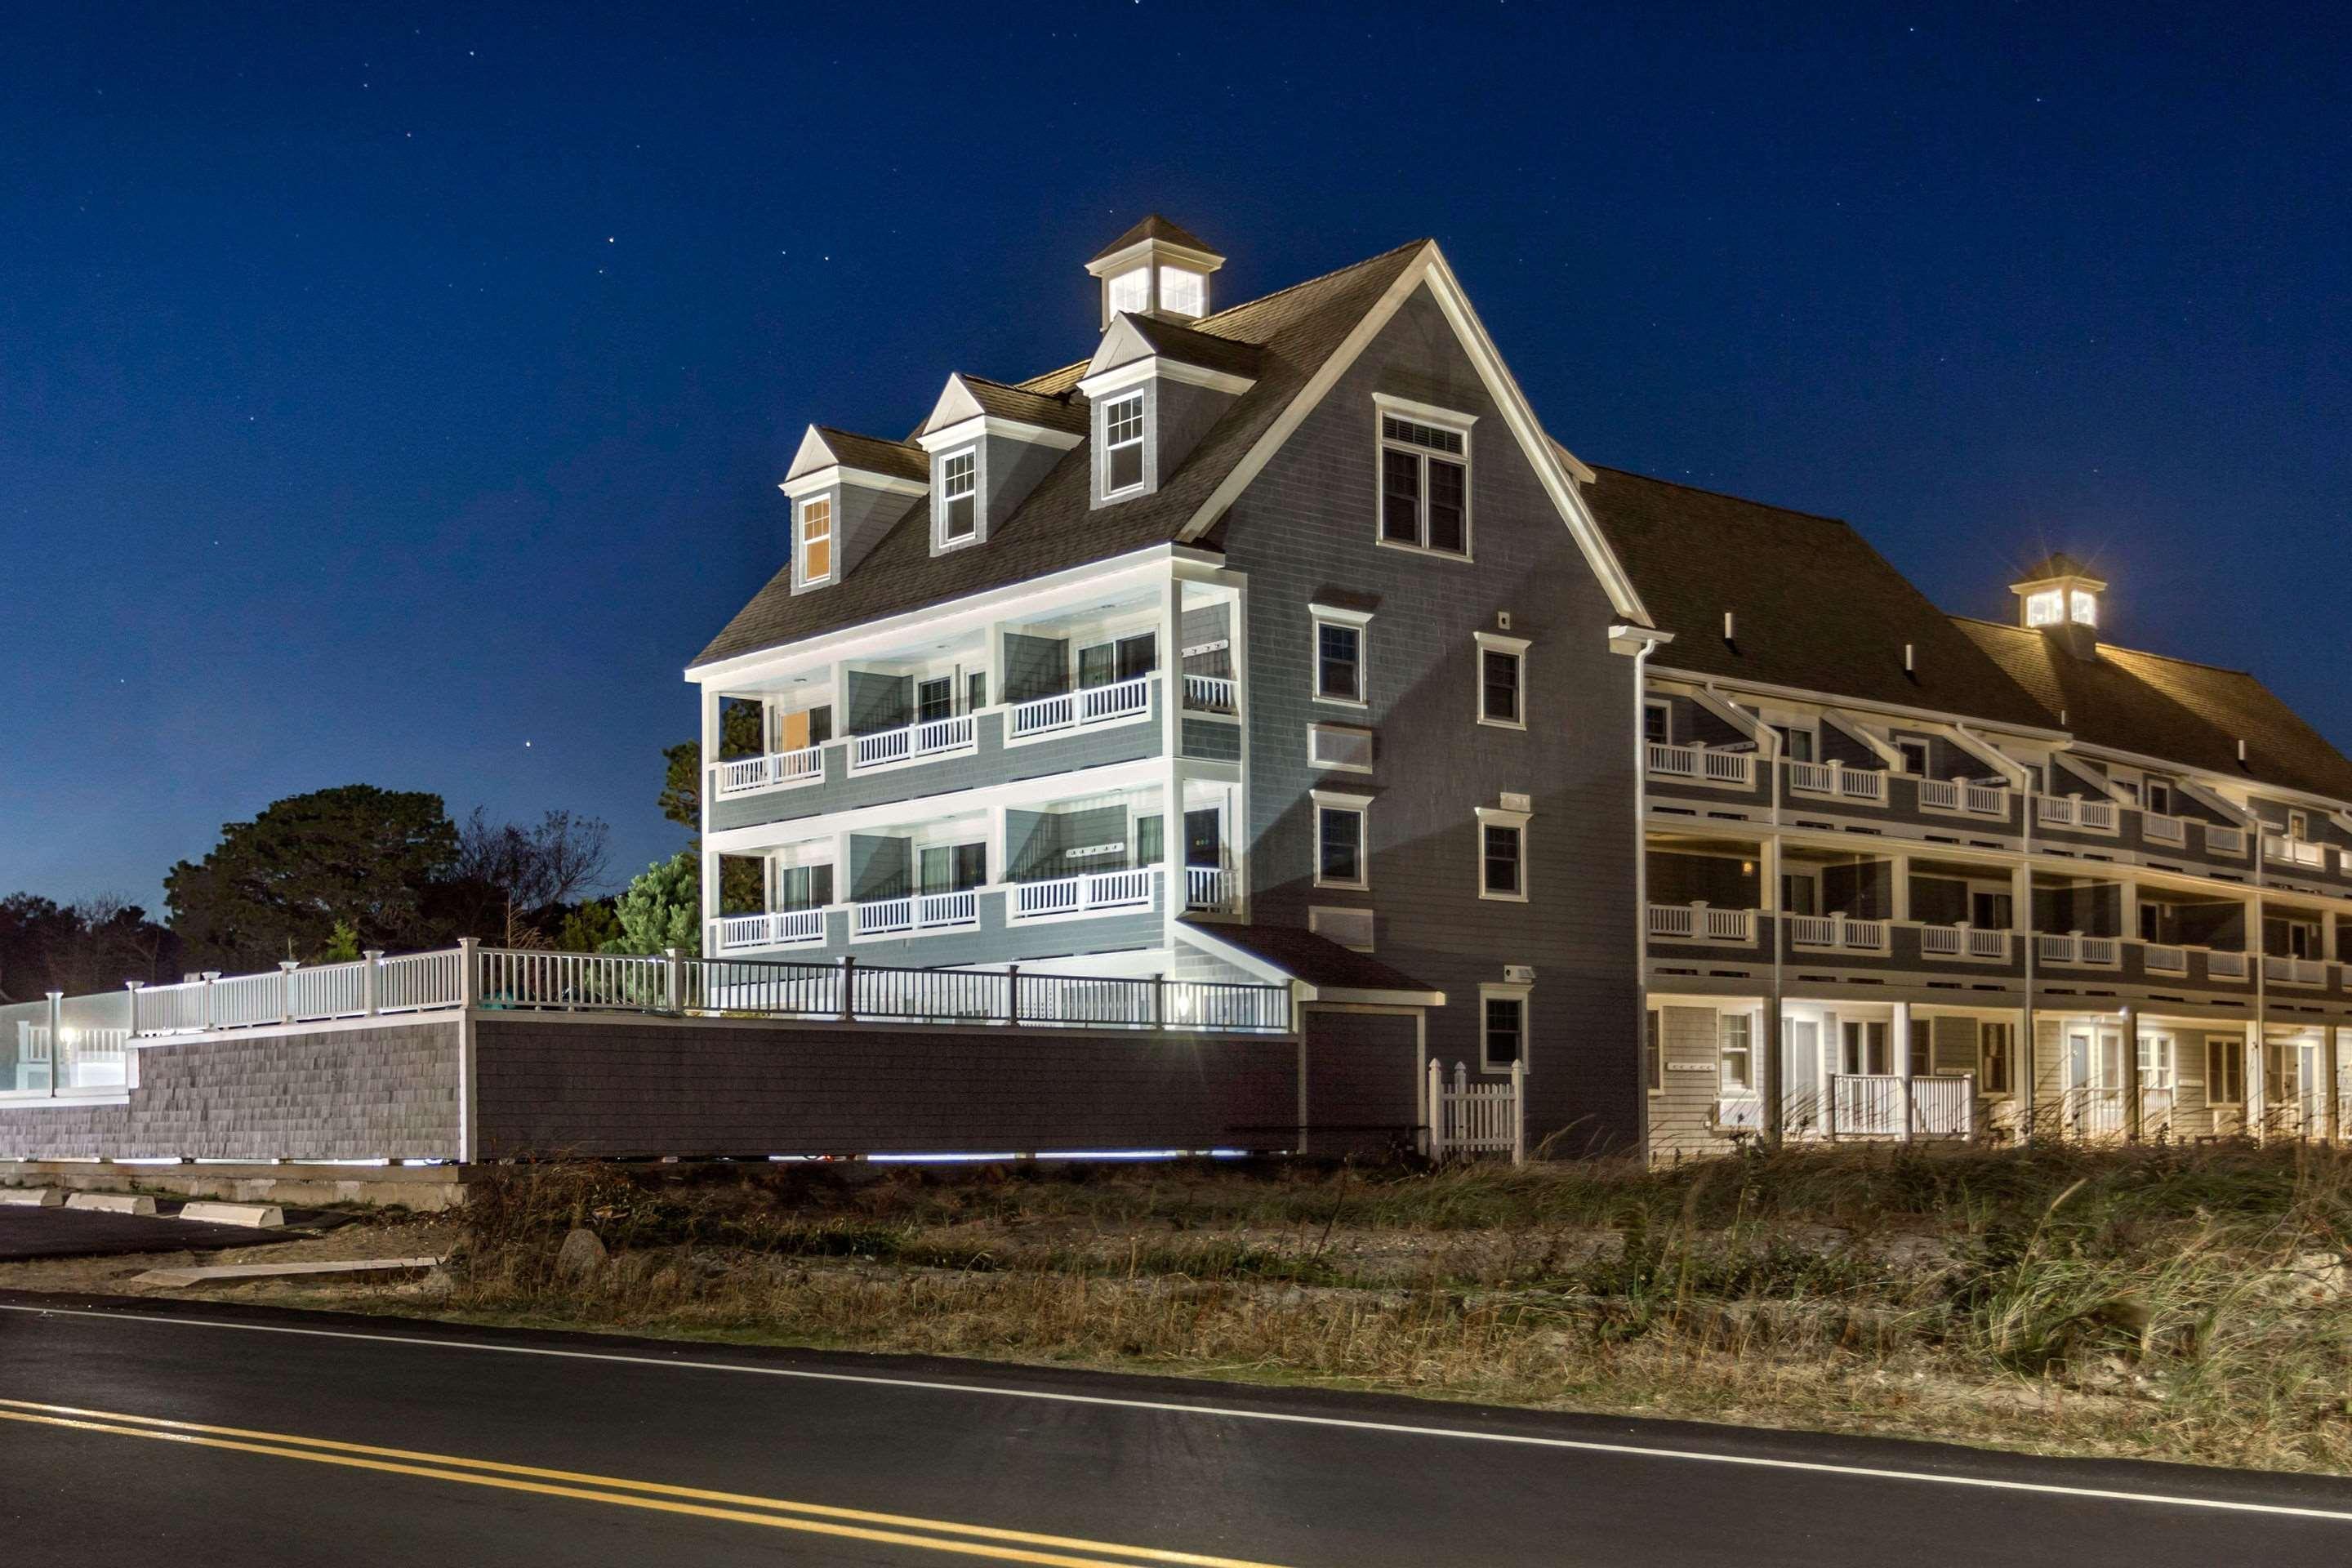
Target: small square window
[(1338, 847), (1501, 875), (1505, 1031), (1183, 292), (1131, 291), (1916, 755), (1339, 662), (959, 497)]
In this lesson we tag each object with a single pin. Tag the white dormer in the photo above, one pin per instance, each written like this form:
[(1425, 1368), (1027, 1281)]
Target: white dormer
[(846, 492), (1154, 388), (989, 446), (1155, 268)]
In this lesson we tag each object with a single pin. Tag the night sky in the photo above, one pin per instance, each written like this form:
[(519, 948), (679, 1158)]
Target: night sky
[(402, 400)]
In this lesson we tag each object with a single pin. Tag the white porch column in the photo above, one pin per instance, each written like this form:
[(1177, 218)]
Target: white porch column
[(1899, 874), (57, 1041), (2024, 1062), (2127, 902), (2257, 1091), (2021, 900), (1899, 1035), (2133, 1116), (2331, 1059)]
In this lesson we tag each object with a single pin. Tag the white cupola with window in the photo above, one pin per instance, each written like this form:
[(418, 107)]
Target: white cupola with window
[(1154, 388), (988, 446), (2061, 597), (1155, 268), (846, 491)]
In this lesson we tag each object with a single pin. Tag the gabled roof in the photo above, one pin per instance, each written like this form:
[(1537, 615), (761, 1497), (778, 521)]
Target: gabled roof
[(1159, 228), (2168, 708), (1132, 337), (1814, 607), (1057, 527), (1316, 960), (824, 446), (967, 396)]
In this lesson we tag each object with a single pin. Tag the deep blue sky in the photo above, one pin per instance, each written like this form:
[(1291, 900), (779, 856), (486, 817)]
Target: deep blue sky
[(378, 395)]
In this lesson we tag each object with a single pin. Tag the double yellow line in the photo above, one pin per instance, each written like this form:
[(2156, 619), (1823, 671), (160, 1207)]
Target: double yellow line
[(772, 1513)]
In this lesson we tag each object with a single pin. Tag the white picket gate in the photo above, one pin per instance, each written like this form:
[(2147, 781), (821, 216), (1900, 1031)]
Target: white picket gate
[(1467, 1118)]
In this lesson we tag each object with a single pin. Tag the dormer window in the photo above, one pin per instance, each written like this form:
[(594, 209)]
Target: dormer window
[(816, 540), (959, 497), (1131, 291), (1122, 434), (1183, 292)]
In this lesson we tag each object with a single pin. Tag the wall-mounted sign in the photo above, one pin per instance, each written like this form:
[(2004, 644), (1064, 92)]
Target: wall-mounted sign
[(1690, 1066), (1087, 851)]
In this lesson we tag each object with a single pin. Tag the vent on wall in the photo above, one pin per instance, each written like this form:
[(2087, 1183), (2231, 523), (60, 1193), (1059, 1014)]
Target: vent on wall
[(1348, 928), (1343, 746)]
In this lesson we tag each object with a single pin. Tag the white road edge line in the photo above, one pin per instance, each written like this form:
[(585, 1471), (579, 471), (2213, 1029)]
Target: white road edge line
[(1586, 1444)]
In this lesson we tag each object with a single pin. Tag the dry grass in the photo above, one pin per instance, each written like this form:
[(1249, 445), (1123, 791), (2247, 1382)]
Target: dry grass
[(2184, 1304)]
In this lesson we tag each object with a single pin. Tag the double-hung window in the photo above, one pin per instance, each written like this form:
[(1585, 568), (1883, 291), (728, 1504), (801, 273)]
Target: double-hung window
[(1502, 854), (1122, 444), (1503, 1032), (935, 699), (959, 497), (1339, 656), (1657, 721), (1738, 1053), (1424, 477), (1341, 854), (816, 540), (1502, 672)]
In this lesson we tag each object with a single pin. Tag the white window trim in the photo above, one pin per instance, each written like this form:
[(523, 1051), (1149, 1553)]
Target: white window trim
[(1362, 805), (1725, 1090), (1148, 392), (1315, 917), (831, 501), (1517, 648), (1315, 762), (941, 542), (1493, 991), (1495, 816), (1654, 1063), (1360, 621), (1656, 704), (1384, 407)]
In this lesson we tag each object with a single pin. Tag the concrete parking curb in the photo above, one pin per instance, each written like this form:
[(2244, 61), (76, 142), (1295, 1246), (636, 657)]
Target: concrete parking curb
[(260, 1217), (31, 1197)]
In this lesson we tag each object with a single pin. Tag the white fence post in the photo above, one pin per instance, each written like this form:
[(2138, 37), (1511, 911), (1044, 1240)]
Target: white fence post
[(212, 978), (1519, 1113), (370, 978), (56, 1040), (135, 986), (469, 971), (1012, 993), (286, 968), (676, 979), (1436, 1110)]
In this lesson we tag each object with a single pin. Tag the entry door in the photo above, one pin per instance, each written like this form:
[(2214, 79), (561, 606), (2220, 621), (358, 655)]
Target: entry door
[(1802, 1040), (1203, 841), (1865, 1049), (2225, 1082)]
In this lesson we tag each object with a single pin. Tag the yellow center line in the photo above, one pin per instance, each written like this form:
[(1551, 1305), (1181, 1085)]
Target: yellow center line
[(816, 1517)]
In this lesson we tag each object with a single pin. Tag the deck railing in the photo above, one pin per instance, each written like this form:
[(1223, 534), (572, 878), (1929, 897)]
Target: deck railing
[(2294, 852), (1209, 889), (2076, 811), (930, 737), (1838, 932), (1086, 705), (2225, 841), (2076, 951), (1699, 922), (1964, 941), (2157, 828), (672, 984), (2295, 971), (1702, 764), (2225, 967), (777, 770), (1088, 891), (1209, 694), (777, 928), (1873, 1105), (2161, 959)]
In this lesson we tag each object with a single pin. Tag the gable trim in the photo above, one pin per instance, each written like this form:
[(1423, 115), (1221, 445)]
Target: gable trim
[(1429, 269), (826, 478)]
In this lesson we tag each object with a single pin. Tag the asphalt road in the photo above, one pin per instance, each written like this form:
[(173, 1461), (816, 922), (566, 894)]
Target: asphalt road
[(184, 1434)]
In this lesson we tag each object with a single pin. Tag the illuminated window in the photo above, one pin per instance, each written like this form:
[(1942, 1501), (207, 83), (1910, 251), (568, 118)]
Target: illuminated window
[(1131, 291), (816, 540), (2086, 608), (1183, 292), (2045, 608)]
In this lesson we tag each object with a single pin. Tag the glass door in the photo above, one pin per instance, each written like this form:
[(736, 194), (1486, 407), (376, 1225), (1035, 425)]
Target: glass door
[(1204, 837)]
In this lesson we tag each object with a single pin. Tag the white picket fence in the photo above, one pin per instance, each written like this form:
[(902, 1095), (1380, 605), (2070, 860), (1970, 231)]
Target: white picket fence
[(1467, 1118)]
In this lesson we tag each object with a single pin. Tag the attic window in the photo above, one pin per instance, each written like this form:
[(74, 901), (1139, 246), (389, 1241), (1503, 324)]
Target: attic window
[(959, 497), (1131, 291), (1425, 482), (1183, 292), (816, 540)]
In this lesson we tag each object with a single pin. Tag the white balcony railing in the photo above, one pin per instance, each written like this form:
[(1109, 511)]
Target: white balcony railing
[(1873, 1105), (916, 912), (1697, 922), (1867, 785), (2294, 852), (934, 910), (1943, 795), (1209, 889), (778, 928), (2295, 971), (881, 917), (2229, 842), (1092, 891), (1964, 941), (2157, 828), (2074, 810), (777, 770), (1985, 800), (1838, 932), (932, 738), (1209, 694), (2074, 951), (1087, 705), (1700, 764), (2160, 959), (2225, 967)]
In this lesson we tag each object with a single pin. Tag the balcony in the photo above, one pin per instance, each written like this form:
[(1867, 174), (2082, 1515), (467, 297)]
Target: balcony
[(778, 770), (2076, 951), (915, 742), (1837, 933), (1961, 796), (1210, 891), (1875, 1105), (916, 912), (2077, 812), (1702, 765), (2311, 972), (1211, 694), (1835, 780), (1086, 893), (1088, 705), (1698, 923), (781, 927), (1964, 943)]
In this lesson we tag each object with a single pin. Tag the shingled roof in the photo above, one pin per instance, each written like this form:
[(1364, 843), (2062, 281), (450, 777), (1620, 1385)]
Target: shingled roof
[(2057, 564), (900, 459), (1186, 346), (2169, 708), (1159, 228), (1814, 607), (1294, 332)]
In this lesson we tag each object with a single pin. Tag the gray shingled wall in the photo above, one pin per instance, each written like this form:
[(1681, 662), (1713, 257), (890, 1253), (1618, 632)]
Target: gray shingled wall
[(388, 1091), (628, 1089), (1304, 529)]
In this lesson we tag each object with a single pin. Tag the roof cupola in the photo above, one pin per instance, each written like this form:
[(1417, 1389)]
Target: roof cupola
[(2059, 595), (1156, 269)]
